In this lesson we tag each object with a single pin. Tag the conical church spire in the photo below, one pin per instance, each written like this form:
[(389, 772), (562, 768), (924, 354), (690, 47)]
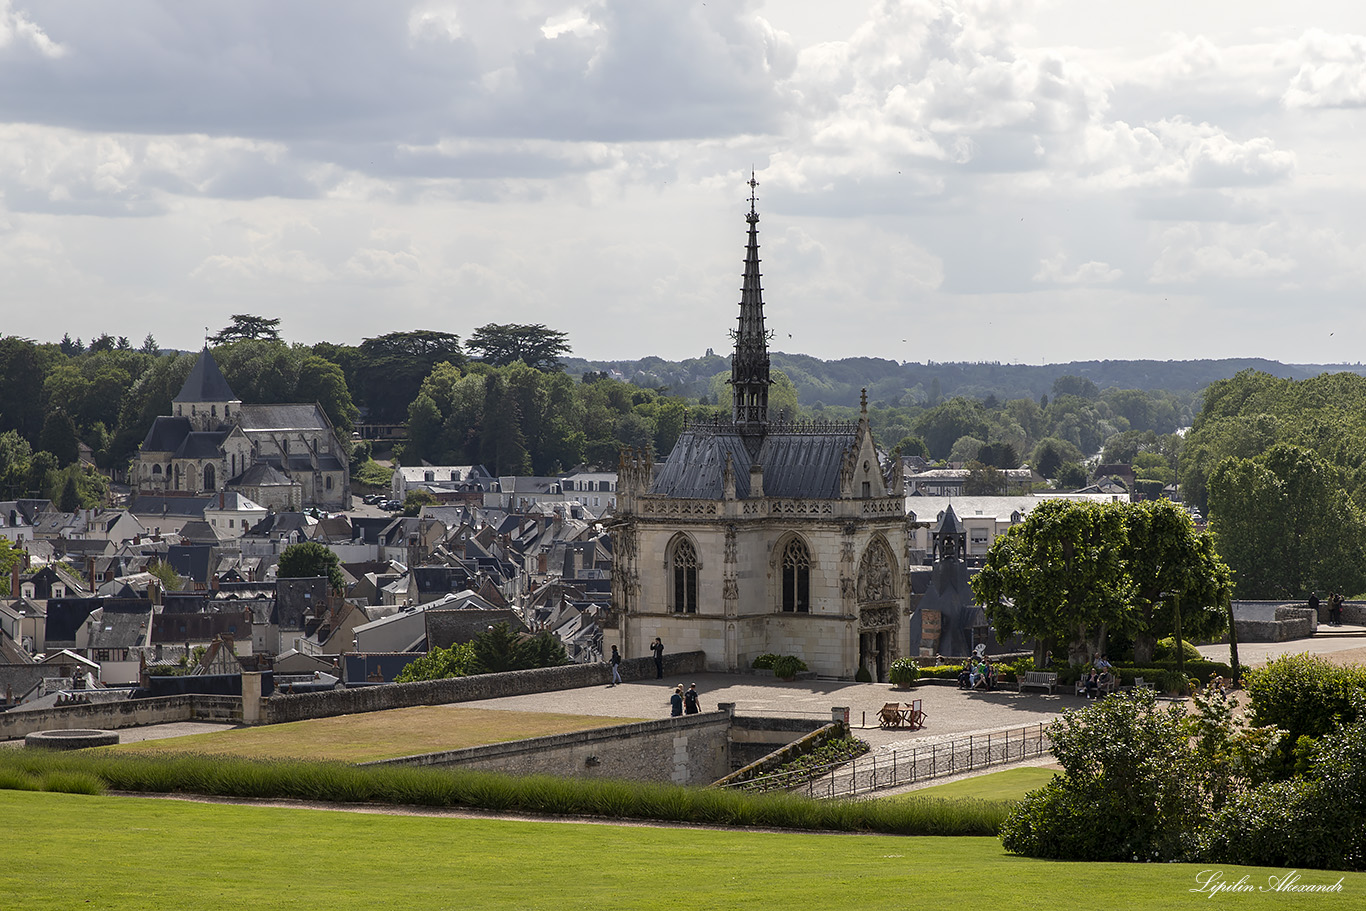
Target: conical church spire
[(749, 375)]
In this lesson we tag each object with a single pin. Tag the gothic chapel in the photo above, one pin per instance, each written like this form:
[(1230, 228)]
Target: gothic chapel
[(757, 536)]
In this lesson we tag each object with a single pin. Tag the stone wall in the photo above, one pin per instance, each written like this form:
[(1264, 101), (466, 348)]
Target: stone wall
[(754, 742), (692, 750), (770, 761), (125, 713), (298, 707), (1274, 621)]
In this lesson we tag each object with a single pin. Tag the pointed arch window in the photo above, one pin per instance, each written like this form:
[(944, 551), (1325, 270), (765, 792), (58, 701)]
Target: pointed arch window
[(796, 577), (684, 563)]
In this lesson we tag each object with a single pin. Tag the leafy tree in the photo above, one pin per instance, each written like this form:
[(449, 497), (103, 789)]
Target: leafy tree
[(999, 455), (503, 447), (1051, 453), (439, 664), (1286, 526), (1166, 556), (309, 559), (73, 487), (911, 446), (23, 367), (170, 580), (534, 345), (15, 455), (1131, 786), (1071, 476), (415, 500), (1058, 576), (11, 555), (965, 449), (944, 425), (103, 342), (59, 437), (69, 500), (389, 369), (983, 481), (500, 649), (1079, 386), (68, 347), (247, 326), (496, 651), (150, 346)]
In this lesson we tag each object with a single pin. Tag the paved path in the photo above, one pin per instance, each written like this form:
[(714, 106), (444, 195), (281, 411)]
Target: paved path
[(1340, 644), (950, 711)]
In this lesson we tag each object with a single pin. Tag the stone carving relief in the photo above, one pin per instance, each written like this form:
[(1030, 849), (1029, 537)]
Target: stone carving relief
[(876, 581), (878, 618)]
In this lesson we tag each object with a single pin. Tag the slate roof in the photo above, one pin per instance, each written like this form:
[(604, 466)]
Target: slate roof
[(190, 560), (152, 505), (201, 444), (260, 475), (120, 624), (281, 417), (295, 599), (206, 382), (798, 461)]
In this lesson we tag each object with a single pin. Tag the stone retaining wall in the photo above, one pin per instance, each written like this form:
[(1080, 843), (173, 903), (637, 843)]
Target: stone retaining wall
[(126, 713), (689, 750), (297, 707)]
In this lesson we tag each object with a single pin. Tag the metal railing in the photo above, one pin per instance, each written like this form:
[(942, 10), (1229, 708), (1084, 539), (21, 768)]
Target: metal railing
[(879, 770)]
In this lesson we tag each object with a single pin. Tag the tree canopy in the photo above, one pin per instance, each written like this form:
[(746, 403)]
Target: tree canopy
[(247, 326), (534, 345), (1074, 571), (308, 560)]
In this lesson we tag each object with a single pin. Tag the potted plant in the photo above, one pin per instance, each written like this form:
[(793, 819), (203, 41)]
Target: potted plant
[(903, 672), (787, 667)]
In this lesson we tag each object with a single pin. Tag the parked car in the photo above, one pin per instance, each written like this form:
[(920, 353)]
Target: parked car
[(392, 505)]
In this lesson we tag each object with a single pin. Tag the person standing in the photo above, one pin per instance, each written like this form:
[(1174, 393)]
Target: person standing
[(658, 648), (676, 702), (616, 666), (690, 704)]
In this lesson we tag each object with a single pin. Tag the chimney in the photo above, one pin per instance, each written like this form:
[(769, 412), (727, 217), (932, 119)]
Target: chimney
[(213, 582), (221, 496), (14, 581)]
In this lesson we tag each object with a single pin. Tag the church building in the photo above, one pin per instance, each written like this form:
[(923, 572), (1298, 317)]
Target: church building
[(760, 536), (283, 457)]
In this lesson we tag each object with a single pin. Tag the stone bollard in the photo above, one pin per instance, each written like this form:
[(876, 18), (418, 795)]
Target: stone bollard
[(251, 697), (727, 707)]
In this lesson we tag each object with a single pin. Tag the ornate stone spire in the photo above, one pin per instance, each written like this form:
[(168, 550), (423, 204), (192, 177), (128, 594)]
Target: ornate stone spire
[(749, 375)]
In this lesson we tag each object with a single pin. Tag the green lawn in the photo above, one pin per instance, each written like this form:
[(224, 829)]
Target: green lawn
[(378, 735), (67, 851), (1007, 784)]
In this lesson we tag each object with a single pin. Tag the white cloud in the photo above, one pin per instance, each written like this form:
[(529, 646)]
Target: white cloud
[(1333, 75), (1054, 270), (16, 28)]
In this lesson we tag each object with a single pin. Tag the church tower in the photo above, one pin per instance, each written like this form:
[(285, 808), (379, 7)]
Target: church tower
[(749, 365), (206, 398)]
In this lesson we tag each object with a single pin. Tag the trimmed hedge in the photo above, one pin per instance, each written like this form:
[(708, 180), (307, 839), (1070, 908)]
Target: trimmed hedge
[(219, 776)]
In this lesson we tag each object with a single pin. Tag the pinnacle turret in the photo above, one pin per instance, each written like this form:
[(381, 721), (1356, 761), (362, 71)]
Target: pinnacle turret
[(749, 365)]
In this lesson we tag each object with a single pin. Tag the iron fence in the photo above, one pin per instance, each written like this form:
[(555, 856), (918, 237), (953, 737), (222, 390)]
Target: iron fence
[(880, 770)]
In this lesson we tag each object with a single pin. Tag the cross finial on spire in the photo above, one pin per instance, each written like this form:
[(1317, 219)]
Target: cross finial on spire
[(863, 402)]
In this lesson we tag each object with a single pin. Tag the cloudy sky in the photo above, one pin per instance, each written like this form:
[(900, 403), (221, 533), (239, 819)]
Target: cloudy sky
[(985, 180)]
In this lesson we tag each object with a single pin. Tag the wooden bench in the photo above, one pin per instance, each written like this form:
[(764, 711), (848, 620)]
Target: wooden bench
[(1141, 684), (1044, 680)]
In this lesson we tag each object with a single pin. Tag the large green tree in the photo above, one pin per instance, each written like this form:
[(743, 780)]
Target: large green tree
[(1286, 525), (308, 560), (247, 326), (1059, 576), (534, 345), (389, 369), (1172, 566)]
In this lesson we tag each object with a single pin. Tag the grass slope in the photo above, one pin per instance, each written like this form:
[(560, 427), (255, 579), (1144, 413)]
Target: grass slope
[(118, 853), (378, 735), (1007, 784)]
